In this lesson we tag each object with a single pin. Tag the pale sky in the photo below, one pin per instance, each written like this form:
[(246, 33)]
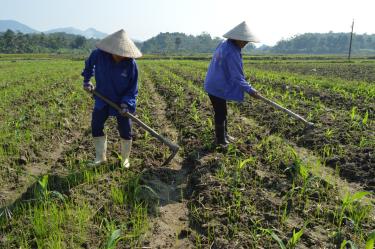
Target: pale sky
[(270, 20)]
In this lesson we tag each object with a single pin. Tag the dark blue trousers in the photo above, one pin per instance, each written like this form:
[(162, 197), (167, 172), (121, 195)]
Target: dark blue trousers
[(98, 120), (220, 109)]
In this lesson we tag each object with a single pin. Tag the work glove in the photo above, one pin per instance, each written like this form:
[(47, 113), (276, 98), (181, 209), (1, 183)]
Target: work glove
[(124, 108), (88, 86)]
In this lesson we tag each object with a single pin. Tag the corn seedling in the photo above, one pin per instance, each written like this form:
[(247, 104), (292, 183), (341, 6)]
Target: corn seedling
[(113, 239), (328, 133), (350, 205), (117, 195), (365, 119), (370, 241), (292, 242), (345, 243), (44, 194)]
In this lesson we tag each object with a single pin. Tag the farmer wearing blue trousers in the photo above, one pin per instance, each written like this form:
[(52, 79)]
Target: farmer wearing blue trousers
[(116, 75), (225, 79)]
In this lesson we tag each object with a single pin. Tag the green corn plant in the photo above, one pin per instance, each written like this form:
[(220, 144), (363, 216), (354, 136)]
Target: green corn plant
[(363, 142), (147, 136), (194, 111), (302, 170), (349, 205), (352, 113), (242, 163), (327, 150), (275, 237), (44, 194), (135, 193), (138, 221), (209, 124), (198, 241), (88, 176), (117, 195), (298, 168), (357, 213), (292, 242), (43, 186), (295, 238), (113, 239), (365, 119), (328, 133), (344, 244), (370, 240)]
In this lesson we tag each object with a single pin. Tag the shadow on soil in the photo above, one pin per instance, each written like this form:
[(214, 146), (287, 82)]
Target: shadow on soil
[(58, 183)]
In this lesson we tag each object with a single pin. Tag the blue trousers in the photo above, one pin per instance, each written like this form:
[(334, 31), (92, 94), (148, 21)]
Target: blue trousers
[(98, 120), (220, 109)]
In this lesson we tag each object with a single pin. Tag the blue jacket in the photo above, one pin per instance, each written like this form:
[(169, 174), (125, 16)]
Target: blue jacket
[(225, 78), (116, 81)]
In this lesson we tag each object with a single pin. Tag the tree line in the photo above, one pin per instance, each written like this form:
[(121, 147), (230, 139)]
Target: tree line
[(180, 43), (15, 42), (164, 43), (325, 43)]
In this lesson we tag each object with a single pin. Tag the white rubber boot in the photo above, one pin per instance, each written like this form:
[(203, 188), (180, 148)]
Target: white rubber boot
[(126, 146), (100, 150)]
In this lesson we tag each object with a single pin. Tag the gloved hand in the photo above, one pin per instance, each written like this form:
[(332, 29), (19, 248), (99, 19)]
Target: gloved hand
[(88, 86), (124, 108)]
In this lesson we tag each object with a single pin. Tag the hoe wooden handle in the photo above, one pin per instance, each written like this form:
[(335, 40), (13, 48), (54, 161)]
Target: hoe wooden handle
[(173, 147), (289, 112)]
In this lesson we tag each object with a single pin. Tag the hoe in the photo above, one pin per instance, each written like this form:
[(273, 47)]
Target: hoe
[(173, 147), (308, 124)]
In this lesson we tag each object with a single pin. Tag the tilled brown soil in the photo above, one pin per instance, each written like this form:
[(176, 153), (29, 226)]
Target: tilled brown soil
[(203, 199), (355, 163), (256, 193)]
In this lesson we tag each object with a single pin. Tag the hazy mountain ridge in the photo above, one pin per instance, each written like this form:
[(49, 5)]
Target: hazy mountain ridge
[(20, 27), (88, 33), (15, 26)]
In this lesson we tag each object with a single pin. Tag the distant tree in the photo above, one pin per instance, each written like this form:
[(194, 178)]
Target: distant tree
[(180, 43), (78, 42), (177, 42), (8, 45)]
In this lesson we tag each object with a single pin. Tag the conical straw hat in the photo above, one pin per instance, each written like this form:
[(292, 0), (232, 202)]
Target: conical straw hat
[(120, 44), (242, 33)]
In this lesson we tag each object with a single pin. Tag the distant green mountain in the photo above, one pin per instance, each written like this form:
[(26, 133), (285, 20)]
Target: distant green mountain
[(15, 26)]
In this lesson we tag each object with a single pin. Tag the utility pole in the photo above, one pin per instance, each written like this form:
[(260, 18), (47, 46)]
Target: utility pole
[(351, 38)]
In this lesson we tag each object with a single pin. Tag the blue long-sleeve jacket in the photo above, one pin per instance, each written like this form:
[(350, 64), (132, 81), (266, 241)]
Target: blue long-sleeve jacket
[(116, 81), (225, 78)]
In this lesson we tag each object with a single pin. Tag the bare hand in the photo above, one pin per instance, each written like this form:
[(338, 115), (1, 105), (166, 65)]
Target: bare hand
[(88, 86), (124, 108), (254, 93)]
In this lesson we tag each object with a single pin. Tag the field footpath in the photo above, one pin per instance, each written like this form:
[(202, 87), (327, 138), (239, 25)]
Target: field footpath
[(169, 228)]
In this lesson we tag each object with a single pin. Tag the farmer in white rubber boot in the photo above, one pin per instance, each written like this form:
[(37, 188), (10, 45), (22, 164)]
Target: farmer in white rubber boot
[(116, 76), (225, 79)]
